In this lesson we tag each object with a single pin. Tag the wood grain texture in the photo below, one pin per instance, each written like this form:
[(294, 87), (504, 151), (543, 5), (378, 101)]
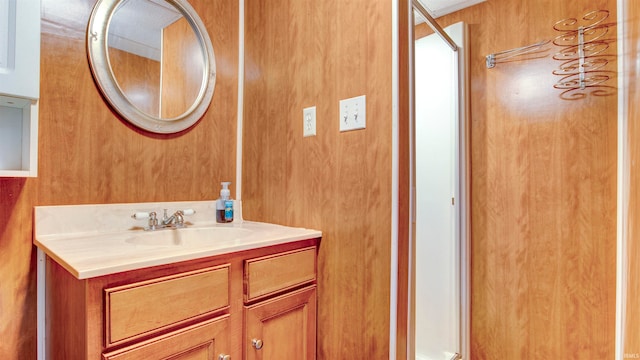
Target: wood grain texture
[(405, 111), (543, 203), (631, 326), (67, 306), (182, 69), (135, 309), (139, 79), (78, 326), (270, 275), (301, 53), (88, 155), (285, 324), (203, 341)]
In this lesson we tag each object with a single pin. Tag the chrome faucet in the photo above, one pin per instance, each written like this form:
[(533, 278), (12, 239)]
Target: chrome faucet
[(175, 220), (168, 222)]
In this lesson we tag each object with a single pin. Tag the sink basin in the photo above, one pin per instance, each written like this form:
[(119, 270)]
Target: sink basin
[(188, 236)]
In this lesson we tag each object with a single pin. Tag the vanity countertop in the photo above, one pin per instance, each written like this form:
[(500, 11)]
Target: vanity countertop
[(97, 240)]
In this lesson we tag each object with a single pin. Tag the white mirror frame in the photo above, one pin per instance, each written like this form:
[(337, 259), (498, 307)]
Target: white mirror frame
[(97, 52)]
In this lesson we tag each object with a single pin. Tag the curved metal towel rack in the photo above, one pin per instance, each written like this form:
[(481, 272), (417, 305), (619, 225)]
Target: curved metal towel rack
[(583, 44)]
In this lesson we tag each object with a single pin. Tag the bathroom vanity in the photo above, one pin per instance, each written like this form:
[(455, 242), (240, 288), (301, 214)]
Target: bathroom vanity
[(249, 293)]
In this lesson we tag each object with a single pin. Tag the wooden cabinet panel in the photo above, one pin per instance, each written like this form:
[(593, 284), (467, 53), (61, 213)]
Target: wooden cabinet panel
[(140, 308), (183, 311), (285, 327), (204, 341), (271, 274)]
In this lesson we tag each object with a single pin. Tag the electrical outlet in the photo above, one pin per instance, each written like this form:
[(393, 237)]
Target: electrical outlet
[(353, 113), (309, 121)]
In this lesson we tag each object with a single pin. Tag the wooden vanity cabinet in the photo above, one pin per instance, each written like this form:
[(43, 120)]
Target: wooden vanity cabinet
[(198, 309), (204, 341), (280, 310), (283, 327)]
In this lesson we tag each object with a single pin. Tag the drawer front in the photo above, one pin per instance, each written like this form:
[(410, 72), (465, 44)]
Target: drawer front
[(271, 274), (140, 308), (202, 341)]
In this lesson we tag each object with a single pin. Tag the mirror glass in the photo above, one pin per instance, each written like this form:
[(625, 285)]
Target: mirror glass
[(153, 62)]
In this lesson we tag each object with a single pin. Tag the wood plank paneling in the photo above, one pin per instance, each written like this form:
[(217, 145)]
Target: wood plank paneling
[(139, 79), (405, 110), (17, 269), (631, 328), (543, 188), (543, 203), (182, 68), (88, 155), (301, 53)]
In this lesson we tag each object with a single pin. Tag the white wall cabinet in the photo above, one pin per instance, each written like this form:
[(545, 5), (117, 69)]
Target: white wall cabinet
[(19, 87)]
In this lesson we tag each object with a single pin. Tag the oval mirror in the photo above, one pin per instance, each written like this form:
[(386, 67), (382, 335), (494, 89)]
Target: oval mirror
[(153, 62)]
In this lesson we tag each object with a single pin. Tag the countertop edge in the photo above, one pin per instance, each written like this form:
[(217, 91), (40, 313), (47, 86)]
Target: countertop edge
[(198, 253)]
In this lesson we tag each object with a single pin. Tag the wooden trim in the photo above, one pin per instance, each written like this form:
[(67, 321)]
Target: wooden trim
[(631, 316), (404, 180)]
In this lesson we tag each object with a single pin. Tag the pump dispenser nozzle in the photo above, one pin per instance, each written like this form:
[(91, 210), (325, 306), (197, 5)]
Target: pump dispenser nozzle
[(225, 193), (224, 206)]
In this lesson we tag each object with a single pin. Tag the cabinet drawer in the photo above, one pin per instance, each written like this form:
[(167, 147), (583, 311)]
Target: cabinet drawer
[(271, 274), (202, 341), (141, 308)]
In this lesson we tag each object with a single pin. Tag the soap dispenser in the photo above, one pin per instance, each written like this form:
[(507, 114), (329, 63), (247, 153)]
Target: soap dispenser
[(224, 205)]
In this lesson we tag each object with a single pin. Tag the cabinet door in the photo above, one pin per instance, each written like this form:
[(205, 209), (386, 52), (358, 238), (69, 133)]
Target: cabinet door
[(20, 48), (283, 328), (204, 341)]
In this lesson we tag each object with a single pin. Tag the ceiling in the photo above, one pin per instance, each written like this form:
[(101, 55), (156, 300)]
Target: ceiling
[(137, 28), (439, 8)]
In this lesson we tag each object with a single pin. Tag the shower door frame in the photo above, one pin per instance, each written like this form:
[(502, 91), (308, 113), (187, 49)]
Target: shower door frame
[(403, 338)]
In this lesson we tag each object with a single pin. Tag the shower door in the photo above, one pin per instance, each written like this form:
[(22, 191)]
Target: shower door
[(439, 240)]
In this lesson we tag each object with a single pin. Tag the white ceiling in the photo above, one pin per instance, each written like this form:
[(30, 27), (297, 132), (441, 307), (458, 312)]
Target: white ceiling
[(137, 26), (439, 8)]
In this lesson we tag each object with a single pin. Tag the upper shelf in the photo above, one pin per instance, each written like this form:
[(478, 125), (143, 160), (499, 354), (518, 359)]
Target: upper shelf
[(19, 87)]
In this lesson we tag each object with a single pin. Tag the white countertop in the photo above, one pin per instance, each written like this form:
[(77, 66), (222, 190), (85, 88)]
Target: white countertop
[(96, 240)]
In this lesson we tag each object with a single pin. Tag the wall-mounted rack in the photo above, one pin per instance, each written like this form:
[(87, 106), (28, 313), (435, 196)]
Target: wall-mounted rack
[(533, 51), (583, 55)]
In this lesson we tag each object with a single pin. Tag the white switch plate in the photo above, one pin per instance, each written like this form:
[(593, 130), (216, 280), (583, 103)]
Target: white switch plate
[(353, 113), (309, 121)]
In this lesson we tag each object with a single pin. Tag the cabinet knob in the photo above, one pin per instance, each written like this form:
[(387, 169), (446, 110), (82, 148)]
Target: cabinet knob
[(257, 344), (224, 357)]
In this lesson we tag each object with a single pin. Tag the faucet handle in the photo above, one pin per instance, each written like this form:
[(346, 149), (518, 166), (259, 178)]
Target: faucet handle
[(153, 220), (141, 215)]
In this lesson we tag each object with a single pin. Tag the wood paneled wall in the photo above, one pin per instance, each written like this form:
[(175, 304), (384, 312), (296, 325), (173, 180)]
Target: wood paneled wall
[(139, 79), (632, 325), (88, 155), (543, 202), (301, 53), (543, 170), (182, 68)]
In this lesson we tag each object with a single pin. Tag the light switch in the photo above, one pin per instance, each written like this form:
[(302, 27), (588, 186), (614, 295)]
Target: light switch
[(309, 121), (353, 113)]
